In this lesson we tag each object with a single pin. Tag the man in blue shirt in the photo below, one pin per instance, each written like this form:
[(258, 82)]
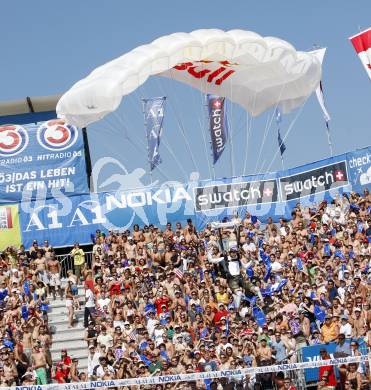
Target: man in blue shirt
[(342, 348), (279, 348)]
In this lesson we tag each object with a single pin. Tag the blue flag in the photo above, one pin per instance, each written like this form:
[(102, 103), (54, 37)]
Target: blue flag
[(24, 311), (259, 316), (299, 264), (319, 313), (145, 360), (281, 145), (227, 327), (204, 332), (154, 117), (327, 250), (218, 125), (164, 356), (280, 285), (268, 270), (26, 288)]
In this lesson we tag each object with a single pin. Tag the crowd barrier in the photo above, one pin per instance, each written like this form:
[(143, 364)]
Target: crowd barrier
[(193, 376)]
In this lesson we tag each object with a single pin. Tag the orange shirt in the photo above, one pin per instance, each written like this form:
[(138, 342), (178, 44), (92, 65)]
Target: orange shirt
[(329, 333)]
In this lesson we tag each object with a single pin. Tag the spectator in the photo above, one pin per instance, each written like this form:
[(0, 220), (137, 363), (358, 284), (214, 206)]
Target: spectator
[(78, 256), (177, 301)]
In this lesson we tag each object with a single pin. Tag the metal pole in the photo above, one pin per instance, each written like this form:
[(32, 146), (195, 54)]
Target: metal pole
[(206, 108), (329, 139), (145, 130), (230, 144), (283, 165)]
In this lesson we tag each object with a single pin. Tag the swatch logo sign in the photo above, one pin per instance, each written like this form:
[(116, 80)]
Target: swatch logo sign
[(314, 181), (235, 195)]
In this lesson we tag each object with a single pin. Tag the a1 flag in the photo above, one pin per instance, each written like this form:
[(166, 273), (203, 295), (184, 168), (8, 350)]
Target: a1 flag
[(362, 45)]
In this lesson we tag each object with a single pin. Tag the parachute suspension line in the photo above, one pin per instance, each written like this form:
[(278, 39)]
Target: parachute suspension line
[(230, 128), (206, 126), (167, 145), (265, 134), (163, 140), (194, 92), (267, 128), (131, 141), (288, 132), (207, 155), (112, 126), (248, 120), (242, 126), (203, 128), (180, 125)]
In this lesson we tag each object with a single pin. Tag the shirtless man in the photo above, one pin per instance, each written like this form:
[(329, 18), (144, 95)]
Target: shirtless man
[(45, 342), (27, 340), (40, 262), (130, 248), (263, 352), (39, 364), (54, 269), (10, 370)]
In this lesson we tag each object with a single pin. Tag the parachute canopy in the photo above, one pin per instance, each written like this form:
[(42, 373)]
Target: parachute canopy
[(255, 72)]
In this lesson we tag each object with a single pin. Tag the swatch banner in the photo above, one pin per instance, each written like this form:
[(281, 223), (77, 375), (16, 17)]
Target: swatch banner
[(218, 125), (41, 160), (64, 220)]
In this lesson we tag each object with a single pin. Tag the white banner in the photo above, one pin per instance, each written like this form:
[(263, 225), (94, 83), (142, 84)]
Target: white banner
[(153, 380)]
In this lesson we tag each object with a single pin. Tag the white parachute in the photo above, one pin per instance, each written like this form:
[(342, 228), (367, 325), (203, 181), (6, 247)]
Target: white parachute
[(255, 72)]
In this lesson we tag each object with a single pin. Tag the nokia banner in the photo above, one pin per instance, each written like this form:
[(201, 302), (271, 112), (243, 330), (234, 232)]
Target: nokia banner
[(218, 125), (154, 117), (67, 219), (41, 160)]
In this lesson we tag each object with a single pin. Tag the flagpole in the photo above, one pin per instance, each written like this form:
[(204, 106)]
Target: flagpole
[(283, 165), (145, 127), (210, 143), (213, 168), (329, 138), (230, 146)]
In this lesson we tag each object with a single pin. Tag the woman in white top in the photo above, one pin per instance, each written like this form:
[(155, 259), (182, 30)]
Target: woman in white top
[(69, 303)]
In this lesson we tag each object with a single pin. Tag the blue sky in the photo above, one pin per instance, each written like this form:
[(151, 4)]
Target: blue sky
[(46, 46)]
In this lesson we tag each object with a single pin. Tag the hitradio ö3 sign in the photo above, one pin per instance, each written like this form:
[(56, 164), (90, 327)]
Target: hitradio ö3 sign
[(39, 161)]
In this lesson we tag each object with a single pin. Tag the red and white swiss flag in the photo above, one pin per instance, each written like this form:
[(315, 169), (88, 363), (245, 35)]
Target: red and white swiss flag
[(362, 45)]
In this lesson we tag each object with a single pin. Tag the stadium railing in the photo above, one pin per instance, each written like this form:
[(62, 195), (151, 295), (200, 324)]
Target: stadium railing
[(66, 262)]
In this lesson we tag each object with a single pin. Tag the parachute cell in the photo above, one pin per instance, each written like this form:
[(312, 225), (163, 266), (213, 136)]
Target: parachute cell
[(257, 73)]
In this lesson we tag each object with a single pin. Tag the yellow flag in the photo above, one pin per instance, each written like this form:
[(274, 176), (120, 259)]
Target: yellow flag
[(10, 232)]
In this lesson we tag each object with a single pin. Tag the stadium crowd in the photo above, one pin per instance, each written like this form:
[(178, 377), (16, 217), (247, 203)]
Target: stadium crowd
[(236, 294)]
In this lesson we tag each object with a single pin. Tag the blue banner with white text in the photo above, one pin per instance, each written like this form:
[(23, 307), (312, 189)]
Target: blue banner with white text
[(311, 353), (41, 161), (64, 220), (218, 125), (154, 117)]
